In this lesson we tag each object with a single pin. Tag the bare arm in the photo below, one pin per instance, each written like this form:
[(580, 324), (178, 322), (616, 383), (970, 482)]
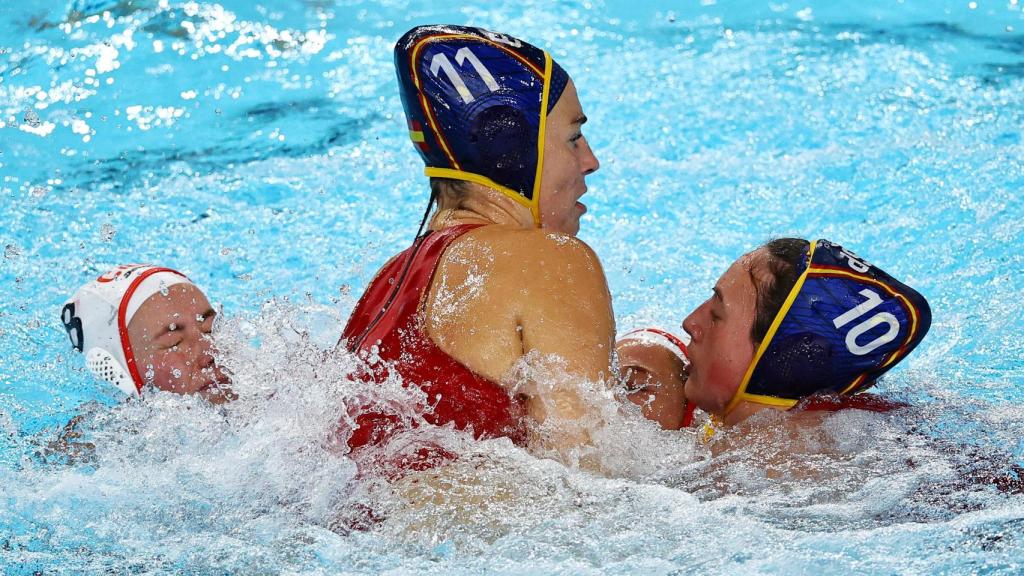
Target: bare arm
[(564, 312), (502, 295), (565, 308)]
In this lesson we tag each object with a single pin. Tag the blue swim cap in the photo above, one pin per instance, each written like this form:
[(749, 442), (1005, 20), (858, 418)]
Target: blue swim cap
[(476, 102), (844, 324)]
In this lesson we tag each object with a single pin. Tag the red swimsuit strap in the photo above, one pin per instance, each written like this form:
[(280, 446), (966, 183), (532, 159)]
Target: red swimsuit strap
[(407, 263), (389, 320)]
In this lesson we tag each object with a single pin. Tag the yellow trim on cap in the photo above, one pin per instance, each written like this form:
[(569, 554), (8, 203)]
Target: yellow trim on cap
[(899, 352), (770, 400), (707, 432), (856, 383), (477, 178), (884, 286), (431, 122), (535, 199), (741, 392)]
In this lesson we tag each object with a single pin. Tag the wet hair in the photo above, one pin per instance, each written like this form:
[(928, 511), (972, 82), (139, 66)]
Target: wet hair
[(783, 260), (448, 192)]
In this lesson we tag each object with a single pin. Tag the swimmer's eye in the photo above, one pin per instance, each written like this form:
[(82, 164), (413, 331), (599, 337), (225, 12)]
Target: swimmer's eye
[(575, 139), (205, 321), (170, 337), (172, 344)]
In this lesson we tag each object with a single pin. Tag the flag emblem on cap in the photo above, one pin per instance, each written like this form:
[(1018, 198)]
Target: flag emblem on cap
[(416, 134)]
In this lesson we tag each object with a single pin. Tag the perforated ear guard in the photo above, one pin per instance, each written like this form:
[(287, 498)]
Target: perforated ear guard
[(104, 366)]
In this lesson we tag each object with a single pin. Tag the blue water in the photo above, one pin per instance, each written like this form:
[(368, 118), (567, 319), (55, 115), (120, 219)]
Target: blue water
[(261, 149)]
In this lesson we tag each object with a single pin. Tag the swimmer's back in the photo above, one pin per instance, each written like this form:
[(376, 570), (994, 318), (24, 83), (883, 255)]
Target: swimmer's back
[(501, 292), (386, 329), (453, 314)]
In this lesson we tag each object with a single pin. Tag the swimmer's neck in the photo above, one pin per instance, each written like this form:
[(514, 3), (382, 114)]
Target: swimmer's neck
[(483, 205), (745, 410)]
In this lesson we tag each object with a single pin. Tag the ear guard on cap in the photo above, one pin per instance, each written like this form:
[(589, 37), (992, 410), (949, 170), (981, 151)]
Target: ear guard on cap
[(844, 324), (104, 366), (476, 102)]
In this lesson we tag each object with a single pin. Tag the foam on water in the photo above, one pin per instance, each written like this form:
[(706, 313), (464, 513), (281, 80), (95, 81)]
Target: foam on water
[(261, 149), (263, 483)]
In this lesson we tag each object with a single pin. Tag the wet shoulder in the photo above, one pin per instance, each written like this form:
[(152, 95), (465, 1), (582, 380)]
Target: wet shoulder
[(527, 250)]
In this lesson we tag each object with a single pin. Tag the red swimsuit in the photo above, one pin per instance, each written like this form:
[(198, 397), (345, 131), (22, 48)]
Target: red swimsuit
[(388, 322), (861, 401)]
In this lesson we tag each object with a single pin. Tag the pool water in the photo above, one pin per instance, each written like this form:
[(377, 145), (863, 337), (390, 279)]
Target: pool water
[(261, 148)]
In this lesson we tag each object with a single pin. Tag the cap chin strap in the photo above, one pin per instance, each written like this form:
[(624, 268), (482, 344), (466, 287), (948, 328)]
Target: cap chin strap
[(532, 206), (774, 401), (104, 366)]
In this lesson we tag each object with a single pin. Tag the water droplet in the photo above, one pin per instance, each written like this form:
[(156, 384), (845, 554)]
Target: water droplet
[(163, 292), (11, 251), (107, 232), (172, 326), (31, 118), (176, 373), (38, 191)]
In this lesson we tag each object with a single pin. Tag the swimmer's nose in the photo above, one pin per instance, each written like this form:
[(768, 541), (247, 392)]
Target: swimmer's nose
[(208, 362), (588, 161), (692, 327), (206, 352)]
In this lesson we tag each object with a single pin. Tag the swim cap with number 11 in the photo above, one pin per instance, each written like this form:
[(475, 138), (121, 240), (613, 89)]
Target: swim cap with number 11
[(476, 102)]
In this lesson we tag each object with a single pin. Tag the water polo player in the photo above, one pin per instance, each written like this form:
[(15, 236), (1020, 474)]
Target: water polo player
[(653, 365), (799, 323), (141, 325), (499, 273)]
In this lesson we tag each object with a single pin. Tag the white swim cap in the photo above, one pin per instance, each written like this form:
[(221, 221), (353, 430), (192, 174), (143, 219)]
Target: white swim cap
[(655, 337), (97, 316)]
